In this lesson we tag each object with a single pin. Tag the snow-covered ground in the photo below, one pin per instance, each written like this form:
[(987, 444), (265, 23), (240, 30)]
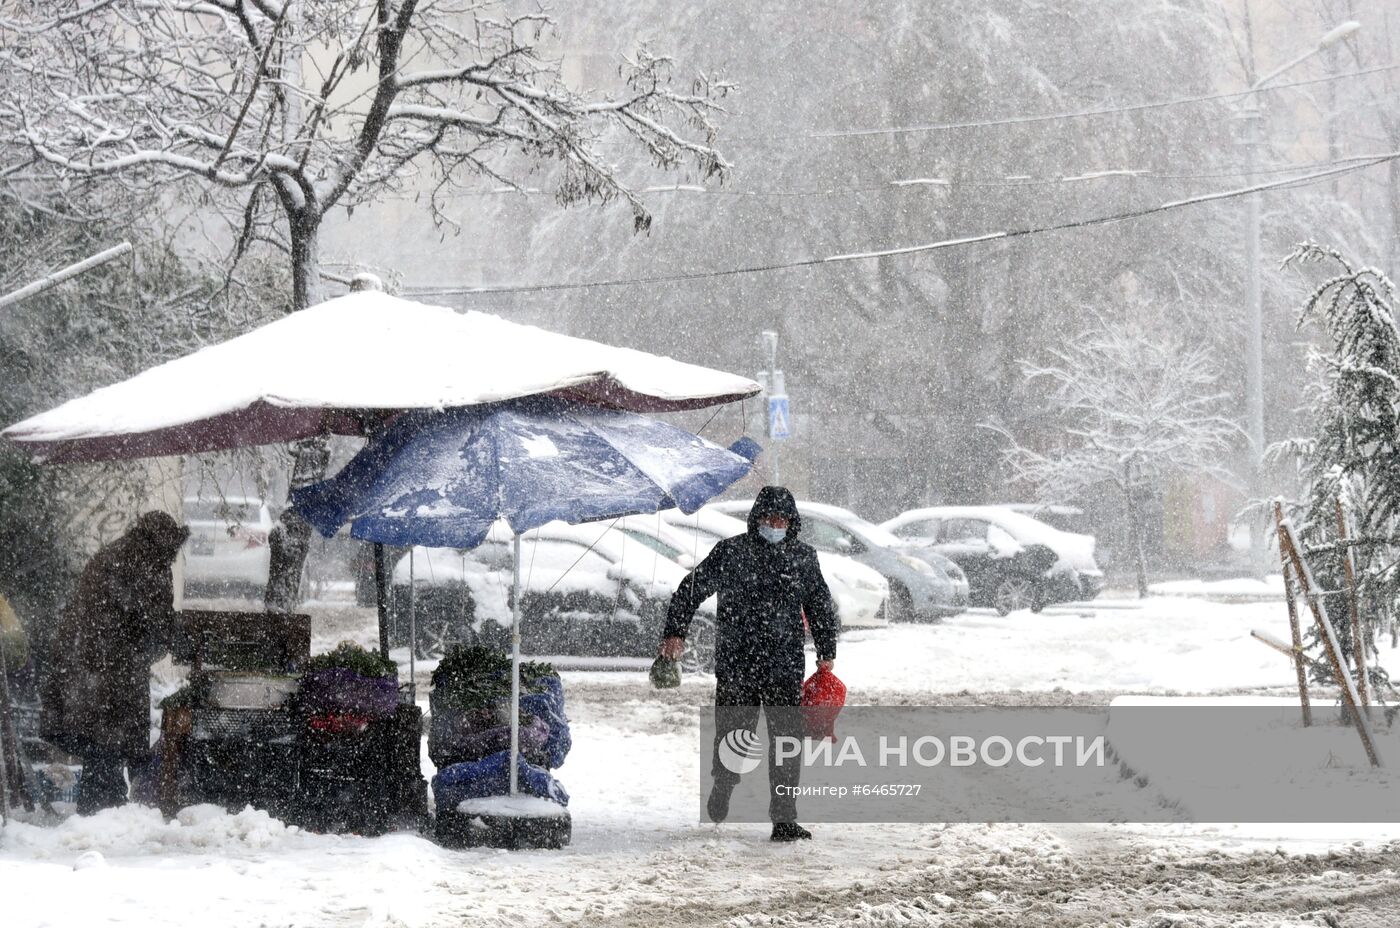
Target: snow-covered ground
[(640, 857)]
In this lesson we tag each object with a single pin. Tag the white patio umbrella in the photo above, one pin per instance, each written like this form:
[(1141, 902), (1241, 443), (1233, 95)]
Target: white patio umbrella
[(348, 365)]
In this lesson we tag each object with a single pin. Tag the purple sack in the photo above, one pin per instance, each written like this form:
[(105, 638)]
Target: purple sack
[(453, 738), (341, 690)]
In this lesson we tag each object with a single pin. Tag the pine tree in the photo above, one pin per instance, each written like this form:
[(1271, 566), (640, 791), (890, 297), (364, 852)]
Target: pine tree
[(1353, 453)]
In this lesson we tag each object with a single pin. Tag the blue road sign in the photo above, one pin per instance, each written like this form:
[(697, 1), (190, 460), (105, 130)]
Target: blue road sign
[(779, 419)]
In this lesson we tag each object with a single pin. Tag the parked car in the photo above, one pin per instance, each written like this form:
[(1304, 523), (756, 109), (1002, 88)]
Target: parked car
[(227, 548), (588, 590), (1011, 560), (861, 594), (923, 585)]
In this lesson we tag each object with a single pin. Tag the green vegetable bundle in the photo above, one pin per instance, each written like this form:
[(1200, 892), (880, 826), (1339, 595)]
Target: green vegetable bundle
[(476, 677), (349, 656)]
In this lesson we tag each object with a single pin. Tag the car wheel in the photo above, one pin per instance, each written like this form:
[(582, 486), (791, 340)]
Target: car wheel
[(899, 605), (1014, 593), (699, 654)]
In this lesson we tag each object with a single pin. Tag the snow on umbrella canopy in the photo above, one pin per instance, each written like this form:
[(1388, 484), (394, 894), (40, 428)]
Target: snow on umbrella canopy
[(346, 367), (442, 478)]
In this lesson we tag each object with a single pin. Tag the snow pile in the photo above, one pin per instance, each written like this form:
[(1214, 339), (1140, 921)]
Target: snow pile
[(134, 829), (1239, 589), (519, 806), (1151, 645)]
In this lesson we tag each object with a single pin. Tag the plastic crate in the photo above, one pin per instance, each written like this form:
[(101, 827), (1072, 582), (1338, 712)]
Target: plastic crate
[(260, 726)]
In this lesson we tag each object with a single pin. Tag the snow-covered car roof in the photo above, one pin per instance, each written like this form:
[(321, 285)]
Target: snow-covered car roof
[(714, 523), (1076, 549), (875, 534), (706, 519)]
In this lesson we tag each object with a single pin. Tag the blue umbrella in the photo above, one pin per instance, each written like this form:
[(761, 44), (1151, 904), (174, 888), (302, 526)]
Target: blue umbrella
[(442, 478)]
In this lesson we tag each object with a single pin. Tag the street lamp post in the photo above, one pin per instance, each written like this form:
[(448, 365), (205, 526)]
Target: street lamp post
[(1254, 356)]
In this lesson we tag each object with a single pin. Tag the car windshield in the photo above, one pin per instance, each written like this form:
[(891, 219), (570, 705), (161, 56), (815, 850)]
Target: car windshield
[(871, 532), (652, 542)]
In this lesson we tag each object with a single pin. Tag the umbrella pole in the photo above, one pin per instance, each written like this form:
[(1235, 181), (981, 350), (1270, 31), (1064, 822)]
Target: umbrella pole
[(515, 674), (412, 629), (381, 598)]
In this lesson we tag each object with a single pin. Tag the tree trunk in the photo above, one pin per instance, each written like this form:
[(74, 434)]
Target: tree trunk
[(1135, 539), (291, 537)]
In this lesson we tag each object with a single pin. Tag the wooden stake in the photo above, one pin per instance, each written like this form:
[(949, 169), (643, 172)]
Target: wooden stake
[(1293, 622), (1358, 642), (1329, 639)]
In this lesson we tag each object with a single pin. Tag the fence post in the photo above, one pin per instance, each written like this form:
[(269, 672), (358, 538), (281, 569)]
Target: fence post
[(1329, 639), (1349, 568), (1298, 659)]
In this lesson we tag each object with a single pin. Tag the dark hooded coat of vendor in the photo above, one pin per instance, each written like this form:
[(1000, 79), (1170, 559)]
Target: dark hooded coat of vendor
[(96, 698), (766, 581)]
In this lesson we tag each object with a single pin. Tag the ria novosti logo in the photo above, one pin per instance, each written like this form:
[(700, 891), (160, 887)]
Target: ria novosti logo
[(740, 751)]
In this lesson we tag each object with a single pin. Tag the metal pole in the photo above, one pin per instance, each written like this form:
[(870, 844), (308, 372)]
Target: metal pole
[(67, 273), (412, 629), (515, 674), (1254, 348), (381, 598)]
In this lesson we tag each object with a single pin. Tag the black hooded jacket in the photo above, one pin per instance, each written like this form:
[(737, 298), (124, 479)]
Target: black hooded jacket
[(763, 590)]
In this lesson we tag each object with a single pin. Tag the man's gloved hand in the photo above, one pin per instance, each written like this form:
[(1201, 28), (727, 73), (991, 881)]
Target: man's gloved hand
[(825, 665), (672, 648)]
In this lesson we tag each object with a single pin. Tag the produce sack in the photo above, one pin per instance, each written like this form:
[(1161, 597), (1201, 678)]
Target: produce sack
[(338, 690), (823, 695), (490, 776), (549, 707), (455, 736)]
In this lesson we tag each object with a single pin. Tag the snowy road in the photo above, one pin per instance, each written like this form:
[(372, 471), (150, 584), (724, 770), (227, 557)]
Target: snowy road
[(639, 856)]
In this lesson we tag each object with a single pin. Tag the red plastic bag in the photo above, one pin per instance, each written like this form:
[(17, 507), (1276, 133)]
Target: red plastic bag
[(823, 695)]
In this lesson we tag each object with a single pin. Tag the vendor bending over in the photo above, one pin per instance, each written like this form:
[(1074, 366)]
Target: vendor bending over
[(97, 692)]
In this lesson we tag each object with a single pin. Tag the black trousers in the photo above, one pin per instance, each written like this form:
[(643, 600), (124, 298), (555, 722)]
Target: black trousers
[(737, 705), (103, 783)]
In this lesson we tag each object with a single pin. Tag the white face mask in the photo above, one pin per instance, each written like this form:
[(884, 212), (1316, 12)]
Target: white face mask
[(771, 534)]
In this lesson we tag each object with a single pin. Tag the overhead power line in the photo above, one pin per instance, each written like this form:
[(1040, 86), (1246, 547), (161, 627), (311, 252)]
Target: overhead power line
[(828, 260), (914, 184), (1054, 117)]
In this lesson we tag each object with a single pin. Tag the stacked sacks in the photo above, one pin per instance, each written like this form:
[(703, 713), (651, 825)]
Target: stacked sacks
[(469, 739)]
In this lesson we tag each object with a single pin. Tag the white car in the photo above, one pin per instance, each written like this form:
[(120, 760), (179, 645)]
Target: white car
[(227, 546), (589, 590), (923, 584), (1012, 560), (860, 593)]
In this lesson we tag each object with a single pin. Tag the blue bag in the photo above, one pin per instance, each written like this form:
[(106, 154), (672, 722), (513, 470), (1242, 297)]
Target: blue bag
[(490, 776)]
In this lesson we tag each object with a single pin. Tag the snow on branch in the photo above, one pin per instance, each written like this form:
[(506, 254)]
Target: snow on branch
[(328, 100)]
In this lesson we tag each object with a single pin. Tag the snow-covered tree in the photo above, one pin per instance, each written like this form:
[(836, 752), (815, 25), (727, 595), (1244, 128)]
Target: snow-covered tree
[(296, 107), (1136, 408), (1353, 451)]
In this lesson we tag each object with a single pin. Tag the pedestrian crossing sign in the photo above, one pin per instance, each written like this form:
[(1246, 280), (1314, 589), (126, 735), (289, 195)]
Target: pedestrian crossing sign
[(779, 418)]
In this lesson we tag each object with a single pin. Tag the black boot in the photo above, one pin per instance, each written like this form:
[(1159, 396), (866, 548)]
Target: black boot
[(718, 804), (789, 831)]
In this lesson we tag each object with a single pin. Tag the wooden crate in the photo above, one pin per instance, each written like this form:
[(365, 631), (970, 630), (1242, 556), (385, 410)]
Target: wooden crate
[(266, 641)]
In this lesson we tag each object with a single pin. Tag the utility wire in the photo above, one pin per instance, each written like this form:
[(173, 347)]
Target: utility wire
[(925, 183), (1055, 117), (1283, 184)]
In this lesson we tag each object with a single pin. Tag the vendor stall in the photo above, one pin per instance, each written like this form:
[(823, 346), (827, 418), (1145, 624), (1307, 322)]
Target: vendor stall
[(327, 742), (362, 365)]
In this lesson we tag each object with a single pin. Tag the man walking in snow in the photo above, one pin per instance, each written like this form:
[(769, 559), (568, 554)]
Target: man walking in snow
[(766, 579)]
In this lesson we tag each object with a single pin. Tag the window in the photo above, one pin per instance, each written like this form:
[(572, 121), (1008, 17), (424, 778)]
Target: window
[(963, 531), (652, 542), (824, 536), (925, 528)]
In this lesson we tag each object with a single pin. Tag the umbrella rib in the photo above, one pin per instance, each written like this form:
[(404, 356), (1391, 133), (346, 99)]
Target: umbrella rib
[(583, 555)]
